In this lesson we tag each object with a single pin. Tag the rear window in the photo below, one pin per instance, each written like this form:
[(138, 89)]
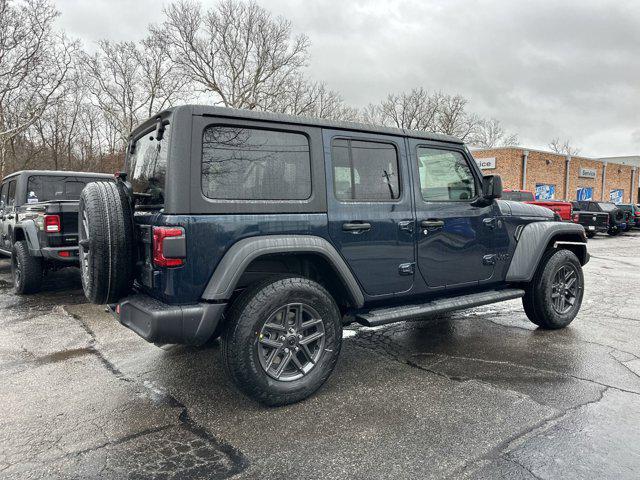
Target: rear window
[(46, 188), (607, 207), (147, 168), (518, 196), (254, 164)]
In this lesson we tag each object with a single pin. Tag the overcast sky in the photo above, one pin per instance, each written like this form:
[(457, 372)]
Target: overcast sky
[(544, 68)]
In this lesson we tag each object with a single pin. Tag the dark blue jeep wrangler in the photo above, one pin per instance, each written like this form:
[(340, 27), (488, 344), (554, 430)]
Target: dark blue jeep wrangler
[(274, 231)]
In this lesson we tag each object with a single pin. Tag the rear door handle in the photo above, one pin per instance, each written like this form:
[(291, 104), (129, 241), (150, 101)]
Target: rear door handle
[(406, 225), (9, 217), (432, 223), (356, 227)]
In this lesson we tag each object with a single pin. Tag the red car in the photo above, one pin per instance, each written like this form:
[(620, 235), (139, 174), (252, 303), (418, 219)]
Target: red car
[(563, 209)]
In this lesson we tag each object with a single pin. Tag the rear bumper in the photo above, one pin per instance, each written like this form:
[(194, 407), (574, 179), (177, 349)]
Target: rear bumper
[(53, 253), (160, 322)]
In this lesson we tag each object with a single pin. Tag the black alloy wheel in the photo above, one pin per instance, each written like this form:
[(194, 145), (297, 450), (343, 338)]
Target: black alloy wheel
[(564, 291)]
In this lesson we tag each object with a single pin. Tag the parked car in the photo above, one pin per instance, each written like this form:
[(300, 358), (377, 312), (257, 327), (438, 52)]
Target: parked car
[(39, 222), (563, 209), (275, 230), (617, 223), (592, 221), (632, 215)]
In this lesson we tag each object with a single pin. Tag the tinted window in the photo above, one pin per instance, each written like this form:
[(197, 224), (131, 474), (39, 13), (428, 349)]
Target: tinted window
[(526, 197), (251, 164), (444, 176), (510, 196), (607, 207), (147, 168), (365, 171), (3, 193), (11, 195), (41, 188)]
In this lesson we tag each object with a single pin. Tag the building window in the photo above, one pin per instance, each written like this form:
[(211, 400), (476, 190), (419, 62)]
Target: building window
[(545, 191)]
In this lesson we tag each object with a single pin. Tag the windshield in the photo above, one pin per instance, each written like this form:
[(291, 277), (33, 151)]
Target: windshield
[(46, 188), (147, 167), (607, 207)]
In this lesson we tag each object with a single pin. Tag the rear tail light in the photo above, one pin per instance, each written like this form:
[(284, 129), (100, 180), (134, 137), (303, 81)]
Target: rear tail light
[(65, 253), (160, 257), (52, 224), (576, 218)]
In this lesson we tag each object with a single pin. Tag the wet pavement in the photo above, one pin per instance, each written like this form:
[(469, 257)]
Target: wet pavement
[(477, 394)]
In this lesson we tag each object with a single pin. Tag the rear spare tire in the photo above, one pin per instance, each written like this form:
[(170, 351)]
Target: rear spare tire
[(106, 243)]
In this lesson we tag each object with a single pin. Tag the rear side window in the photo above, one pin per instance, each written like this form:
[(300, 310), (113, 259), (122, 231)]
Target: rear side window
[(11, 195), (3, 193), (445, 175), (253, 164), (365, 171)]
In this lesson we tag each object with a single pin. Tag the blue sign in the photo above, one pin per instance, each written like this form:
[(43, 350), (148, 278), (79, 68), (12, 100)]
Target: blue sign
[(545, 191), (616, 196), (584, 194)]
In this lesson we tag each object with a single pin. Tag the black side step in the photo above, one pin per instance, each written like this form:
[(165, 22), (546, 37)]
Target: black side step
[(383, 316)]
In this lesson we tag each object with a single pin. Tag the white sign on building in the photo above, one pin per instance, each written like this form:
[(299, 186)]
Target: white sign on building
[(587, 173), (486, 163)]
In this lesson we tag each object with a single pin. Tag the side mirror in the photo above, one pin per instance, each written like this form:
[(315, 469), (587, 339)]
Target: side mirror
[(491, 187)]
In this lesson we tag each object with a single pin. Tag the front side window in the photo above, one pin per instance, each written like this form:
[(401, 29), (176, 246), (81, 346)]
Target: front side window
[(445, 176), (365, 171), (252, 164), (147, 168)]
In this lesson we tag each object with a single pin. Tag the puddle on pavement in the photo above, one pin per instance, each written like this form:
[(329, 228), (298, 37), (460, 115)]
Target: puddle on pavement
[(64, 355)]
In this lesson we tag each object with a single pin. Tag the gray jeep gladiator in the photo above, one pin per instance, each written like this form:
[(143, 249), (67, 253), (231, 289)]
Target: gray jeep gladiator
[(39, 222), (274, 231)]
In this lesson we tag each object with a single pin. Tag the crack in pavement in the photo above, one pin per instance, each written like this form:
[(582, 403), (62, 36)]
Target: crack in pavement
[(238, 460), (503, 448)]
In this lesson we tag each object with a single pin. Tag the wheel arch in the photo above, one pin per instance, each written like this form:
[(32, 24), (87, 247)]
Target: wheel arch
[(254, 258), (537, 238)]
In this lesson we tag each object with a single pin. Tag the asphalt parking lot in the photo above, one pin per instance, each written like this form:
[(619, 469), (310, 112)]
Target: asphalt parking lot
[(478, 394)]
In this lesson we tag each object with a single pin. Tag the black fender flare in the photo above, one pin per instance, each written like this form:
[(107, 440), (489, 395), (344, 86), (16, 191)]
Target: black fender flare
[(533, 241), (30, 231), (234, 262)]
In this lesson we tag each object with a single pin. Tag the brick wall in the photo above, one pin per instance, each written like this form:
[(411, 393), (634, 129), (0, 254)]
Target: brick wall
[(550, 168)]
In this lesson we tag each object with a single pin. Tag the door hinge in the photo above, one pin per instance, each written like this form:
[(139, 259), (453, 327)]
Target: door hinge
[(406, 268)]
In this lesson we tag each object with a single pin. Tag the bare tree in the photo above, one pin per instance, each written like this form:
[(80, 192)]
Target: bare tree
[(313, 99), (34, 63), (236, 50), (490, 133), (130, 82), (421, 110), (415, 110), (563, 147)]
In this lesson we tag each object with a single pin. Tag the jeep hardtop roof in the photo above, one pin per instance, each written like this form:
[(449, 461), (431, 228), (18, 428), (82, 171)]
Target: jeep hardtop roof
[(207, 110), (58, 173)]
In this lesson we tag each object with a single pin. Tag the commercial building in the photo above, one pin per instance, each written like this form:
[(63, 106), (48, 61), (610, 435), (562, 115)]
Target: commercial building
[(555, 176)]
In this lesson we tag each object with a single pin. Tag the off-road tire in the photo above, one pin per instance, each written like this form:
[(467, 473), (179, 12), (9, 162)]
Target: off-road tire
[(614, 231), (249, 313), (537, 301), (106, 250), (590, 234), (26, 270)]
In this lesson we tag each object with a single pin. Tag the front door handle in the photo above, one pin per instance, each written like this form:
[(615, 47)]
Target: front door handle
[(356, 227), (9, 217), (431, 223)]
